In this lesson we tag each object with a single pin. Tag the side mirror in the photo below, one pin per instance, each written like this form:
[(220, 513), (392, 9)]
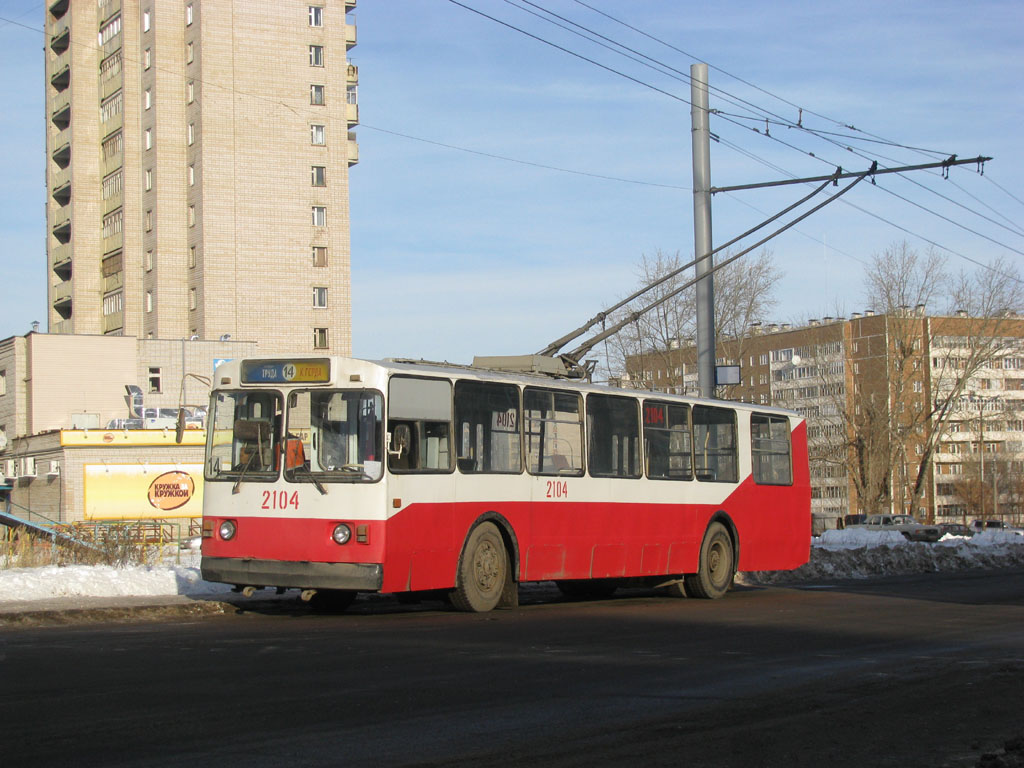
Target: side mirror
[(179, 427)]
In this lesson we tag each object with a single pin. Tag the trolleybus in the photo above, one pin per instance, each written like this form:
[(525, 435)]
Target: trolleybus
[(337, 476)]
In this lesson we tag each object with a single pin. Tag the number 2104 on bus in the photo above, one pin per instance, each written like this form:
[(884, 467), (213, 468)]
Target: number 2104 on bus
[(336, 476)]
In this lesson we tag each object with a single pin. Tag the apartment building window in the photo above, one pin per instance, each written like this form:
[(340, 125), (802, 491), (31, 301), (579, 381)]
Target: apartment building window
[(191, 134), (147, 98), (192, 175), (112, 106), (316, 55), (111, 66), (319, 174), (148, 221), (319, 216), (148, 261), (352, 94), (113, 303), (190, 92), (112, 146), (319, 298), (154, 380), (112, 184), (146, 19), (110, 30), (318, 134), (149, 308), (192, 298), (188, 15), (113, 223), (147, 58), (319, 338), (316, 95), (147, 138), (191, 215), (190, 52), (3, 381), (148, 179), (316, 16), (319, 256), (192, 257)]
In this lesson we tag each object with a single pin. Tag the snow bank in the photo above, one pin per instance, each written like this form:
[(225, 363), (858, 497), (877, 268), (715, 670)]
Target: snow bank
[(18, 584), (857, 553), (851, 554)]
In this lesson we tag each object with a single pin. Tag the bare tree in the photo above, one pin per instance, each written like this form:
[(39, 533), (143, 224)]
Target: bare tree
[(918, 381), (744, 292)]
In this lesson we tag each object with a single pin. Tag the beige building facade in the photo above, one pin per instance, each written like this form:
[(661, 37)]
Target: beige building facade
[(197, 170), (87, 423)]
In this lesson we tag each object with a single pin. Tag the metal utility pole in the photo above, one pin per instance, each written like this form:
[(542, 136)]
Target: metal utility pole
[(701, 137)]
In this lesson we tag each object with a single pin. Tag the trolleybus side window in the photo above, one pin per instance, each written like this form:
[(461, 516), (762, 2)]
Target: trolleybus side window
[(487, 427), (714, 443), (667, 445), (553, 431), (334, 435), (613, 436), (243, 434), (770, 449), (420, 424)]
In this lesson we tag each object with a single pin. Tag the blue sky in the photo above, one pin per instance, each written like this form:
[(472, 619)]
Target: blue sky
[(455, 253)]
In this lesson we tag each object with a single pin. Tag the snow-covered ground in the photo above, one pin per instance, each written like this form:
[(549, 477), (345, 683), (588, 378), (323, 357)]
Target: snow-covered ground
[(850, 554)]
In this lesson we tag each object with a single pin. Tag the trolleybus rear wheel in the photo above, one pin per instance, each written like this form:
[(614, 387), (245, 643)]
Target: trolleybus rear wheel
[(717, 565), (483, 570)]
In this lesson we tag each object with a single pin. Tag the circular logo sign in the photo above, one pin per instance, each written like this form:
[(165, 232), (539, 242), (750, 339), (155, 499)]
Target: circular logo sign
[(171, 490), (108, 438)]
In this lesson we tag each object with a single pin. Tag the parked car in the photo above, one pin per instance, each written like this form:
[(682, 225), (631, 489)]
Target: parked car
[(956, 529), (994, 525), (851, 520), (905, 524)]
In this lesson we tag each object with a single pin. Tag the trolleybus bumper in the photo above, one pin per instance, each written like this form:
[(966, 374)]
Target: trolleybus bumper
[(367, 577)]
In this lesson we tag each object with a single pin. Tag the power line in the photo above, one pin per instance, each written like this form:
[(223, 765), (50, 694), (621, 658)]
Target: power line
[(524, 162)]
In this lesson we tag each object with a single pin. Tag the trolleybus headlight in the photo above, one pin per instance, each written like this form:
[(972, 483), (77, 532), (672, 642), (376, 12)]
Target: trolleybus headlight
[(341, 534), (227, 530)]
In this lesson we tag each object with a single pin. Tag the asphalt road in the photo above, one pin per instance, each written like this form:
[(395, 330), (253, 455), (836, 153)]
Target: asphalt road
[(912, 671)]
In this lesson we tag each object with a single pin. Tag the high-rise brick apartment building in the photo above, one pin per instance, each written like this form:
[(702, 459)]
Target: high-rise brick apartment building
[(197, 169), (905, 412)]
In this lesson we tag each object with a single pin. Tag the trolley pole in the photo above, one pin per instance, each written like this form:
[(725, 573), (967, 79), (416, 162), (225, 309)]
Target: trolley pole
[(701, 137)]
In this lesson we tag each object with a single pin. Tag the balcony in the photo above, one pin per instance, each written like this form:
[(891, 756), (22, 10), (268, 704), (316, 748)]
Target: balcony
[(61, 255), (349, 5), (61, 293), (60, 37), (62, 154), (350, 33), (61, 77), (62, 326), (112, 203), (353, 149), (61, 110), (352, 114), (108, 8), (112, 322), (62, 190), (62, 224), (113, 282), (58, 8), (352, 75)]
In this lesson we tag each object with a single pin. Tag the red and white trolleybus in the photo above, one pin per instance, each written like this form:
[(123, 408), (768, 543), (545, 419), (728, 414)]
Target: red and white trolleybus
[(337, 476)]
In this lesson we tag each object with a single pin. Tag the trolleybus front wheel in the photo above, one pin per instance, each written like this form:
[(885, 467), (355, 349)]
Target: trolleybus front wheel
[(717, 565), (483, 571)]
